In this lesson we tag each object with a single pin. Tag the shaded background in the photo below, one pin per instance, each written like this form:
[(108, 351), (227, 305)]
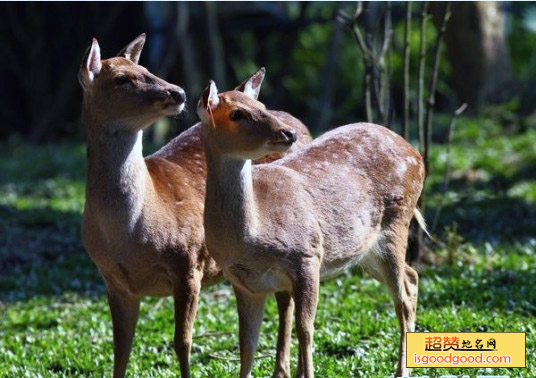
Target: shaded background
[(314, 68)]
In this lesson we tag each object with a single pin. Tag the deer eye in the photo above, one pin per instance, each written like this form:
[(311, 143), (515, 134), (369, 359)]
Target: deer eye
[(237, 115), (120, 80)]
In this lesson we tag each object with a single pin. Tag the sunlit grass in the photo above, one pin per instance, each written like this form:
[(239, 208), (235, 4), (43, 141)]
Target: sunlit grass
[(56, 322)]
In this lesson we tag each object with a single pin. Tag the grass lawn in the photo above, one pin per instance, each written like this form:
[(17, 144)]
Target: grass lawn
[(54, 319)]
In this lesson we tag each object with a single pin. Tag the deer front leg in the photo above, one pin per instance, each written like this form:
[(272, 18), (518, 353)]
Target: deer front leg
[(186, 297), (306, 289), (124, 310), (285, 306), (250, 310)]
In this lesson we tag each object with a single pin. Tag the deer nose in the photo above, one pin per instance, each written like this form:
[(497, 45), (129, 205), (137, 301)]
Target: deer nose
[(178, 95), (290, 135)]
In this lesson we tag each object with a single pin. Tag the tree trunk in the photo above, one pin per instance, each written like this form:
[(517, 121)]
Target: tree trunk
[(478, 51)]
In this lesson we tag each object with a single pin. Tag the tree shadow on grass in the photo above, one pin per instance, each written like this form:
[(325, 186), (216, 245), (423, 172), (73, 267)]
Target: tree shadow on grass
[(505, 290), (485, 209), (41, 253), (36, 235), (500, 219)]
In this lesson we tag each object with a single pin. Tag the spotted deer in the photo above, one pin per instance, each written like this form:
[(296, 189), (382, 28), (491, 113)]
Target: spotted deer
[(347, 198), (143, 217)]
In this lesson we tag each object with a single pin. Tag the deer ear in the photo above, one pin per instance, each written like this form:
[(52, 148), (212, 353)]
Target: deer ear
[(132, 51), (209, 97), (91, 65), (252, 85)]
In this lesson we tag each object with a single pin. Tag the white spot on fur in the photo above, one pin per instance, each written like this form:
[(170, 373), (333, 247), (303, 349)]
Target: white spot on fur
[(411, 160), (401, 169)]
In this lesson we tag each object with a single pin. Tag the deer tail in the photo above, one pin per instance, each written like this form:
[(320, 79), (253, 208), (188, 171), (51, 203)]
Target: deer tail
[(420, 220)]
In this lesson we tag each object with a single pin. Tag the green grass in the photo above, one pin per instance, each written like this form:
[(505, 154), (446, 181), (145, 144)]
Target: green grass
[(54, 319)]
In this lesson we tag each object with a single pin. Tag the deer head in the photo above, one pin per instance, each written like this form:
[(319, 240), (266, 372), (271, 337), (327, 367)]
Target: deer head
[(238, 125), (120, 93)]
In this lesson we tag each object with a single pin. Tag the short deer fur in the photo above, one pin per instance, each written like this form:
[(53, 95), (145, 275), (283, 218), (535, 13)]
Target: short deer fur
[(347, 198), (143, 218)]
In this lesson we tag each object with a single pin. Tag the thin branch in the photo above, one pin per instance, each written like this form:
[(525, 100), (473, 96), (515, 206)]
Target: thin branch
[(376, 80), (425, 128), (237, 359), (446, 177), (352, 23), (380, 64), (368, 97), (361, 42), (358, 10), (387, 31), (389, 72), (357, 32), (372, 67), (212, 334), (420, 88), (158, 305), (407, 42), (431, 91)]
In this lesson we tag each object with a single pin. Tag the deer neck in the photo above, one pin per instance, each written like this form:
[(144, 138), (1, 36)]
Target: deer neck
[(230, 198), (116, 172)]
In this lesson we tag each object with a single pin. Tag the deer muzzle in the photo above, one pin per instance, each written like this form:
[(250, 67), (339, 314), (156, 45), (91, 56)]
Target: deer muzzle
[(283, 139)]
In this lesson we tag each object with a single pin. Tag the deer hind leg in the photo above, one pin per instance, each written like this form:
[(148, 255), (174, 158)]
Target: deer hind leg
[(405, 299), (285, 306), (124, 309), (306, 287), (389, 266), (250, 311), (186, 297)]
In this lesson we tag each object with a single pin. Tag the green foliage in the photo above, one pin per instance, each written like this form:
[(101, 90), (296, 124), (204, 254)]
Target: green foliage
[(304, 82), (492, 180), (522, 39)]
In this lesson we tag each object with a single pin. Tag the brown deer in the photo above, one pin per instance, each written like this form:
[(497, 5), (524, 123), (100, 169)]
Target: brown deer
[(143, 218), (347, 198)]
